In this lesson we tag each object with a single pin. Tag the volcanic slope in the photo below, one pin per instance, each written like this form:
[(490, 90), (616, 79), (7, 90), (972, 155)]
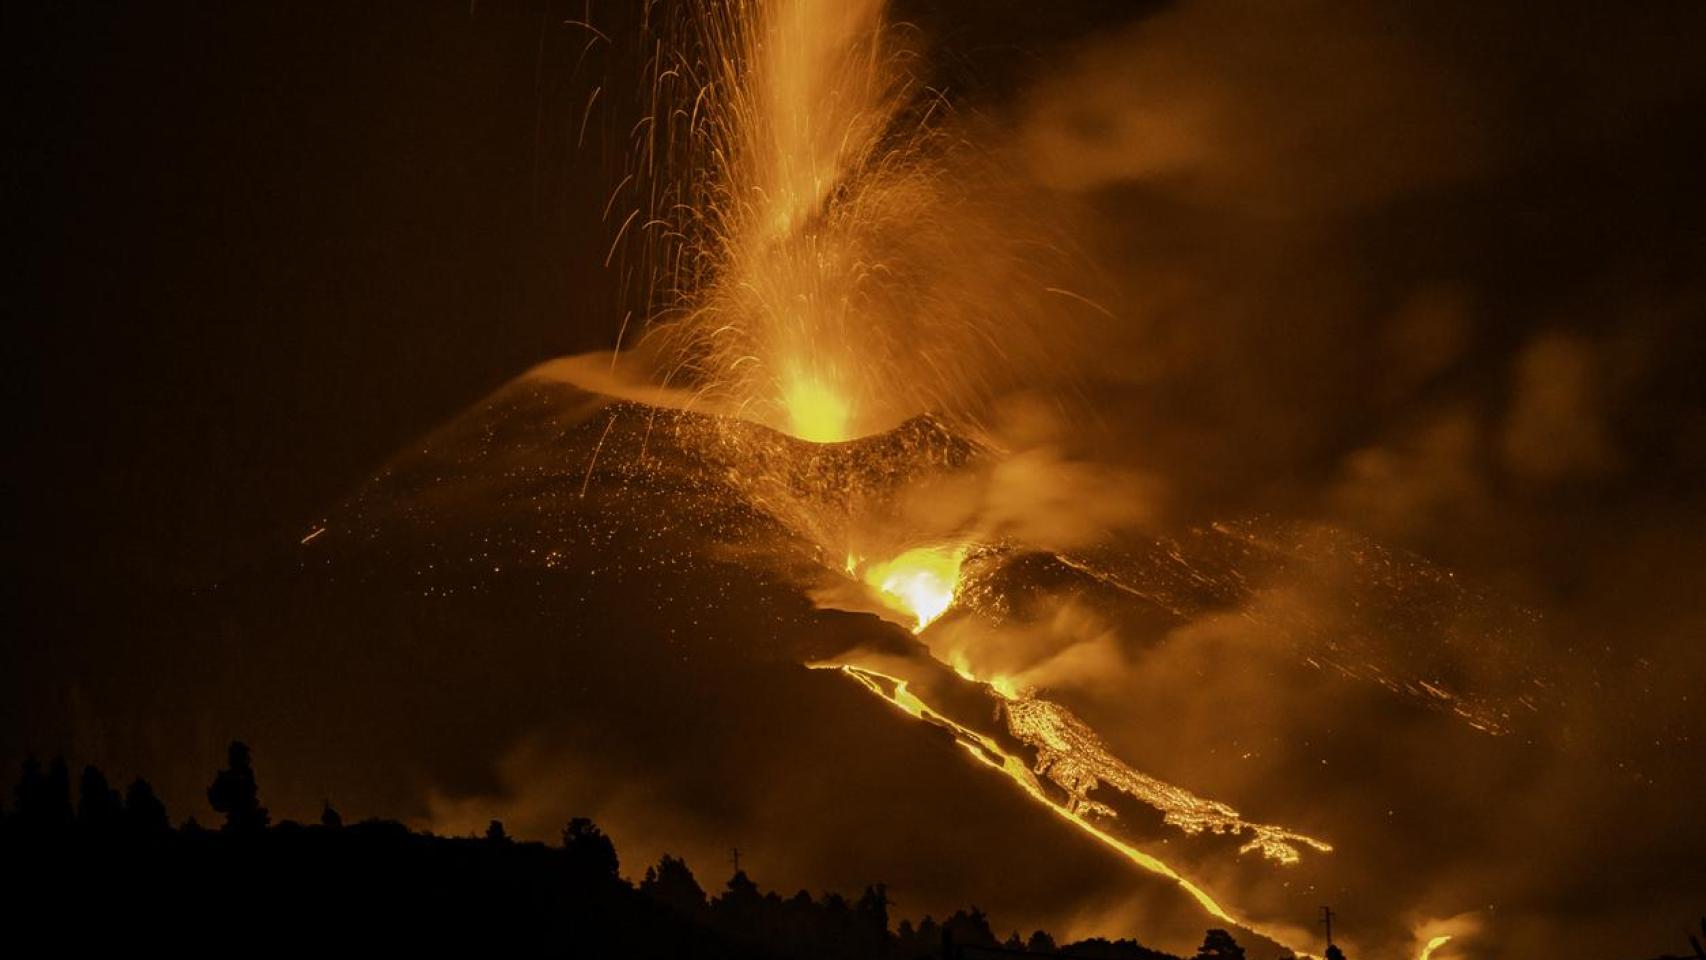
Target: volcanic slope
[(563, 603)]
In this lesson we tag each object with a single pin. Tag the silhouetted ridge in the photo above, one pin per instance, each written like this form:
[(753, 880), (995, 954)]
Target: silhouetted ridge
[(111, 872)]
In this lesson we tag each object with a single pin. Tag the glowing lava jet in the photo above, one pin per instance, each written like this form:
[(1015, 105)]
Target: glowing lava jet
[(919, 583), (815, 412)]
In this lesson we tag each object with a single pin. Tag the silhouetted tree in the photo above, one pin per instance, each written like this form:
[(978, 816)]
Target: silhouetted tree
[(1217, 944), (929, 933), (235, 794), (738, 909), (59, 791), (1040, 942), (98, 804), (741, 890), (143, 811), (873, 907), (31, 790), (44, 800), (591, 855), (495, 832), (1013, 942), (1334, 953), (671, 882), (970, 928), (330, 818)]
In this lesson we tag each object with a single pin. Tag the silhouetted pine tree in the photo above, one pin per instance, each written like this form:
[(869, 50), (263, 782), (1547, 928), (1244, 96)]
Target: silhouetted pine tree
[(970, 928), (591, 855), (872, 912), (44, 800), (1217, 944), (98, 804), (927, 938), (672, 883), (738, 911), (235, 793), (144, 814), (30, 793)]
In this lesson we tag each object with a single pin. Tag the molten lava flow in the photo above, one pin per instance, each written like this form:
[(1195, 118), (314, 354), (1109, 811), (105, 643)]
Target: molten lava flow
[(990, 753), (1434, 944), (1074, 760), (1077, 761), (919, 583)]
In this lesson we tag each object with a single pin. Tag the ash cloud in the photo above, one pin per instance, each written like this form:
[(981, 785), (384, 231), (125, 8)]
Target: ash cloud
[(1425, 273)]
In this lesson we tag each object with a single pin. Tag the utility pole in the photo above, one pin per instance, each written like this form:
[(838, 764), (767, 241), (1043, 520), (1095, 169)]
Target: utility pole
[(734, 855), (1327, 921)]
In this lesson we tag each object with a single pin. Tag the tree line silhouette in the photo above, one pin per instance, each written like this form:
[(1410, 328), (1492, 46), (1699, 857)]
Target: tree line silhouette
[(111, 871)]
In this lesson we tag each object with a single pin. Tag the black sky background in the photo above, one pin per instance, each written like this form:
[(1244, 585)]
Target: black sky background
[(259, 247), (262, 245)]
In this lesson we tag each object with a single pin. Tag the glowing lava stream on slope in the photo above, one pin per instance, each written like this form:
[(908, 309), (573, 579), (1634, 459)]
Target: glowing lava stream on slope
[(921, 583), (990, 753)]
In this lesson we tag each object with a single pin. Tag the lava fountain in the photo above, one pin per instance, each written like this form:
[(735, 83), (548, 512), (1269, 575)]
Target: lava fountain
[(821, 253)]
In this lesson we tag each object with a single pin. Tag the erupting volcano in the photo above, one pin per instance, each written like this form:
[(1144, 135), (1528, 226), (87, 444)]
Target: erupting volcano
[(837, 302), (813, 258), (1143, 471)]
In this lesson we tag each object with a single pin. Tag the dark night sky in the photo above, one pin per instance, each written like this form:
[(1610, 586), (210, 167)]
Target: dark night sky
[(1431, 274), (268, 244)]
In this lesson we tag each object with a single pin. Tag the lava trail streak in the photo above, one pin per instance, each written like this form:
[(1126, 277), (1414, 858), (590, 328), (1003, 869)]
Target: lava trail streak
[(1057, 734), (1076, 760)]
